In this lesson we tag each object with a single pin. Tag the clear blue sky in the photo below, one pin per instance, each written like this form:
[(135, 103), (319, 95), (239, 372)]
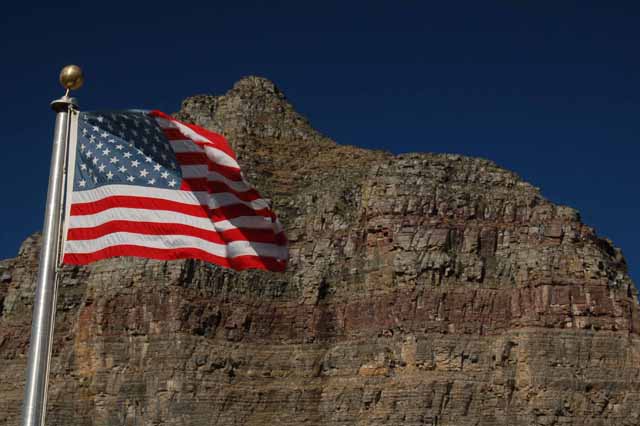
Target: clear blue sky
[(549, 89)]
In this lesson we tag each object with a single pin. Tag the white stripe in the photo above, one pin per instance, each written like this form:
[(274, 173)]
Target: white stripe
[(230, 250), (249, 222), (198, 198), (202, 171), (214, 154), (240, 186), (163, 216), (164, 123), (223, 199), (194, 171), (185, 146), (139, 215), (169, 124), (220, 157)]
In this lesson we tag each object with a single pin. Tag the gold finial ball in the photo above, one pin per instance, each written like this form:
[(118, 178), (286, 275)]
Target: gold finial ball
[(71, 77)]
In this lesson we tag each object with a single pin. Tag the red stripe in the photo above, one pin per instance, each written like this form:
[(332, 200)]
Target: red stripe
[(202, 184), (152, 228), (192, 184), (219, 141), (238, 263), (216, 139), (174, 134), (191, 158), (200, 159), (230, 173), (147, 203), (236, 210), (217, 187)]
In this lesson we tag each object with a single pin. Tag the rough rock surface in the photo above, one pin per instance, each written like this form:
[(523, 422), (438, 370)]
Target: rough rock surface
[(422, 290)]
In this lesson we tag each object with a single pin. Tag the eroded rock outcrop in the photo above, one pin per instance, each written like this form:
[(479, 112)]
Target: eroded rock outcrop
[(423, 290)]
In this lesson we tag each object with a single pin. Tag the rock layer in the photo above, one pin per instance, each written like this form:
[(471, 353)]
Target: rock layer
[(422, 290)]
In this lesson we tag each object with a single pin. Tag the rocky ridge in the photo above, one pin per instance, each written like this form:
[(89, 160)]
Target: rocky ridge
[(423, 289)]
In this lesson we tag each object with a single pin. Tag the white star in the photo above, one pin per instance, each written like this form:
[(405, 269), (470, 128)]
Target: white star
[(82, 147), (100, 145), (104, 134), (164, 156), (172, 183), (135, 163), (82, 183), (95, 160), (157, 167), (100, 118), (106, 151), (109, 175), (139, 151), (157, 138), (127, 154), (111, 141), (95, 179), (113, 160), (92, 138), (122, 169), (89, 153), (135, 133), (144, 172), (101, 168), (95, 128), (164, 175), (83, 166), (148, 159), (152, 181), (119, 147), (84, 131), (154, 148), (130, 178)]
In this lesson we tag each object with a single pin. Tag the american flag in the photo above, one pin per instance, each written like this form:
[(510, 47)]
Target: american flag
[(144, 184)]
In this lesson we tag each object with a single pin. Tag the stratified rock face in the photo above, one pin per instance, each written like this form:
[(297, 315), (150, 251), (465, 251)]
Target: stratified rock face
[(423, 290)]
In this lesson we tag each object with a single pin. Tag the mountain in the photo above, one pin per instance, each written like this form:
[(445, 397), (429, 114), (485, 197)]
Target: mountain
[(423, 289)]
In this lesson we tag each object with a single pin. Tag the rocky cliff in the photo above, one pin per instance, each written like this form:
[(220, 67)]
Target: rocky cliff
[(422, 290)]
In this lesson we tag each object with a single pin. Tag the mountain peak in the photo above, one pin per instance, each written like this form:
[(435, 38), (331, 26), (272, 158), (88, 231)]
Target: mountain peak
[(256, 86), (253, 107)]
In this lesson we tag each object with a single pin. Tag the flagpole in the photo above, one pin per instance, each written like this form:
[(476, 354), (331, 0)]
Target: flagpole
[(44, 307)]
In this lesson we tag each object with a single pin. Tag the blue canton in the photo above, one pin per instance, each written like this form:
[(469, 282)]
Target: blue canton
[(124, 148)]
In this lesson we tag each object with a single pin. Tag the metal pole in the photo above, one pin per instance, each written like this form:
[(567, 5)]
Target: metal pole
[(44, 308)]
